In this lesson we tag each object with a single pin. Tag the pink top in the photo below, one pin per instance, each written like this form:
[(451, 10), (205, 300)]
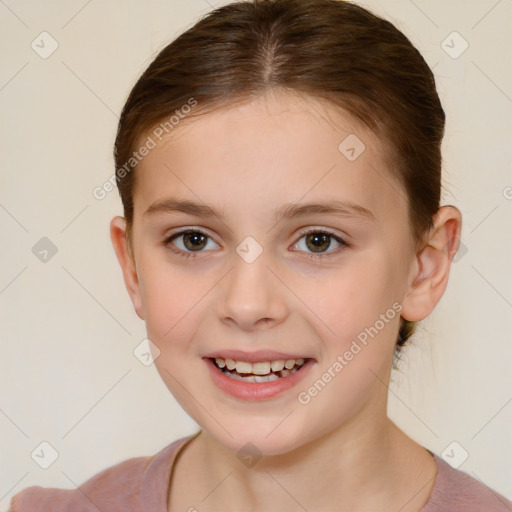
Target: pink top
[(141, 484)]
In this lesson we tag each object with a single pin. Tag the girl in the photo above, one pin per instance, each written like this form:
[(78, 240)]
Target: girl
[(280, 170)]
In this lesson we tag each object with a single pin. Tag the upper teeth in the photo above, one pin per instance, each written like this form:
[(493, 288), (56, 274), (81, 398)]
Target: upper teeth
[(260, 368)]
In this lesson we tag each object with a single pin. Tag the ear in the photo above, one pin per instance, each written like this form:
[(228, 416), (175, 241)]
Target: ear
[(127, 262), (431, 267)]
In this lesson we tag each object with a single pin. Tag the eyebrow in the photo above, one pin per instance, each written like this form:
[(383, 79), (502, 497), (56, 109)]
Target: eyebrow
[(287, 211)]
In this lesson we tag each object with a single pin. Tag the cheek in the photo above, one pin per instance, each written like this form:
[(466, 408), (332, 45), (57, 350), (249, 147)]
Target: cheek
[(172, 303), (360, 309), (349, 303), (335, 395), (170, 297)]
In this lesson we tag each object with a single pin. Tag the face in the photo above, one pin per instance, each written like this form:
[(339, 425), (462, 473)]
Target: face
[(268, 279)]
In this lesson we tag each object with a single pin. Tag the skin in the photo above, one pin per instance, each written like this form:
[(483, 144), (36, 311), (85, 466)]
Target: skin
[(339, 451)]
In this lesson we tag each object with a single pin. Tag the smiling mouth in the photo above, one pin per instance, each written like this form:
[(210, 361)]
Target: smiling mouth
[(264, 371)]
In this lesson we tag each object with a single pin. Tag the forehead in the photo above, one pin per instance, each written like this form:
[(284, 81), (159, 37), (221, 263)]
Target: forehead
[(278, 148)]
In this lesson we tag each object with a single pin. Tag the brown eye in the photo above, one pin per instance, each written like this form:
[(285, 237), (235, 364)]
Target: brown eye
[(194, 241), (185, 243), (318, 241)]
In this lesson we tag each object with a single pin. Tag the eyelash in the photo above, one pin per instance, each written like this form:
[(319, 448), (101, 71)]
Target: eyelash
[(315, 256)]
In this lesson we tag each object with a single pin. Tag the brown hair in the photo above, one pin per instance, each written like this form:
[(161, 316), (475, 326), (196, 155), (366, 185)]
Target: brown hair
[(328, 49)]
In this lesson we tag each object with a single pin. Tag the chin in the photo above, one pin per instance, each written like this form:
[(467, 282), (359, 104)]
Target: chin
[(257, 437)]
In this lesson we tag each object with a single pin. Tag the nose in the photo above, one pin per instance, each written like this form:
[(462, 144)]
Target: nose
[(252, 297)]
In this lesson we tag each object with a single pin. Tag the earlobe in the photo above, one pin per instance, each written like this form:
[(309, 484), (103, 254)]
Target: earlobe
[(127, 262), (431, 268)]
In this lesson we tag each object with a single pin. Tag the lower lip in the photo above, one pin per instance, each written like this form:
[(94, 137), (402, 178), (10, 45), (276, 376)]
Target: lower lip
[(257, 390)]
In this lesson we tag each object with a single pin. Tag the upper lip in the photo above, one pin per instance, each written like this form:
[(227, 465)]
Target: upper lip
[(254, 357)]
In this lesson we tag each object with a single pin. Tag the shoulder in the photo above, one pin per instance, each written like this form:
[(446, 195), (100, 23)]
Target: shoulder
[(121, 487), (119, 481), (456, 490)]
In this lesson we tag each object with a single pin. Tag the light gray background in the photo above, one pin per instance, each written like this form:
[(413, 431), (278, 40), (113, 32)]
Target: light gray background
[(68, 331)]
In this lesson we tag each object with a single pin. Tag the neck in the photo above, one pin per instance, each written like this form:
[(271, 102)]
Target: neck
[(369, 465)]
